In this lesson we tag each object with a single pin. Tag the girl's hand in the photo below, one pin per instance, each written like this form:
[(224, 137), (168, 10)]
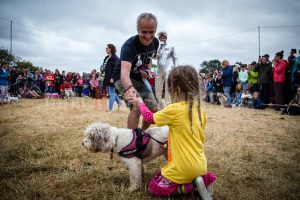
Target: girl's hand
[(136, 101), (131, 97)]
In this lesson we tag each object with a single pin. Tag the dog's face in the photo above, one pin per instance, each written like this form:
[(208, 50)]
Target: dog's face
[(97, 137), (221, 96), (69, 93), (222, 99)]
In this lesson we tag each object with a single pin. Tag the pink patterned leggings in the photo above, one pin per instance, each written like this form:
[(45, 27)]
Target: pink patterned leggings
[(160, 186)]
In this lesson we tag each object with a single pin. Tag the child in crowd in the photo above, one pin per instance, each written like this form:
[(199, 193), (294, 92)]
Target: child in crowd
[(186, 158), (247, 99), (209, 89), (238, 96), (257, 101), (94, 86), (27, 93), (65, 86), (49, 78)]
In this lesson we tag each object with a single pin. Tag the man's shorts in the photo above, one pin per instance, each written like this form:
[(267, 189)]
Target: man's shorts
[(147, 96)]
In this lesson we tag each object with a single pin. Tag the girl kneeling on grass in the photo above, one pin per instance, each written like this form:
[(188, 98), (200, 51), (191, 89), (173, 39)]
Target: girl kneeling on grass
[(187, 163)]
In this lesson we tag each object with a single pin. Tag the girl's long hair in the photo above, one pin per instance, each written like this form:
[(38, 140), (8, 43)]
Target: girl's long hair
[(183, 82)]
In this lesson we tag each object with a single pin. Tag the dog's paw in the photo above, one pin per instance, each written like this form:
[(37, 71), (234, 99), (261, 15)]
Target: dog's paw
[(133, 188)]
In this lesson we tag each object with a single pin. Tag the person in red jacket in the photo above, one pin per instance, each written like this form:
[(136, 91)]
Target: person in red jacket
[(49, 78), (64, 86), (279, 78)]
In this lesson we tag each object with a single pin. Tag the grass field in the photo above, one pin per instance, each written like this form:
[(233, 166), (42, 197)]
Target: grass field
[(254, 153)]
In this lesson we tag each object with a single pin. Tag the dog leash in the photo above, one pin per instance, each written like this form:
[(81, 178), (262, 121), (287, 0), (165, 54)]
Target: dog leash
[(111, 156), (164, 145)]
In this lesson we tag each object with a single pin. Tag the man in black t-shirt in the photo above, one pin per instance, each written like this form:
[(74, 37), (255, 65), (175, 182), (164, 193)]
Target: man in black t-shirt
[(136, 59)]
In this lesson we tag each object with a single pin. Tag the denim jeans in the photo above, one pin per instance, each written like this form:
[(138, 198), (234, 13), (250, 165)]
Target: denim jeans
[(112, 97), (3, 93), (49, 89), (227, 91), (245, 86), (211, 97)]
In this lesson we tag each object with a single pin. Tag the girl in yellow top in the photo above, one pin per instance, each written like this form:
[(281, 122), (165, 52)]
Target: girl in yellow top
[(186, 121)]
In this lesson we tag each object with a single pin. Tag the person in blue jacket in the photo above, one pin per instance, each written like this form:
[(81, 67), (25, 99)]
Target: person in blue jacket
[(4, 76), (227, 76), (295, 83)]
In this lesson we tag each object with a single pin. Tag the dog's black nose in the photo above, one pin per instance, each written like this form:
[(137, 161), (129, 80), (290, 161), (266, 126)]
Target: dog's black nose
[(82, 143)]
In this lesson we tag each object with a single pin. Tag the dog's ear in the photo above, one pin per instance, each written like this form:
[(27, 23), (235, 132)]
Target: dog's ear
[(99, 135)]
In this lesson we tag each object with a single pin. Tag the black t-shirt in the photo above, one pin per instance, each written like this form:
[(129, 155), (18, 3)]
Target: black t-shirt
[(138, 55)]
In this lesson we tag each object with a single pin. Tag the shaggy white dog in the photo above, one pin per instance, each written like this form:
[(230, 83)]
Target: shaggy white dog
[(105, 138)]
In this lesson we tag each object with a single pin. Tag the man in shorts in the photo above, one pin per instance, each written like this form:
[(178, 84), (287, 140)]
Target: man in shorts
[(136, 56)]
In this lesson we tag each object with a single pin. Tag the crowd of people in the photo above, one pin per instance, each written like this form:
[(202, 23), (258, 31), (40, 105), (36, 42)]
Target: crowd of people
[(258, 84), (35, 84)]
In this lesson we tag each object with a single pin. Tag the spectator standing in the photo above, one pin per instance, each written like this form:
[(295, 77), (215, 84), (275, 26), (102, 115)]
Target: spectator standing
[(111, 61), (57, 81), (218, 83), (79, 85), (227, 76), (287, 91), (209, 89), (236, 70), (279, 78), (252, 77), (264, 69), (166, 61), (243, 78), (295, 69), (94, 86), (4, 76), (13, 79), (49, 78)]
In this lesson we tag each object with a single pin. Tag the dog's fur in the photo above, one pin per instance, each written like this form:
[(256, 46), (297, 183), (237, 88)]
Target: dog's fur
[(104, 138), (10, 99), (222, 99), (68, 94)]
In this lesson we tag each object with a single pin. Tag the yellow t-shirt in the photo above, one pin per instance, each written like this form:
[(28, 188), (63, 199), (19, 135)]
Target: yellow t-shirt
[(186, 158)]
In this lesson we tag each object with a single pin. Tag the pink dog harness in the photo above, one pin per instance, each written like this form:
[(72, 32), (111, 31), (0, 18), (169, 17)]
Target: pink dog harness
[(137, 146)]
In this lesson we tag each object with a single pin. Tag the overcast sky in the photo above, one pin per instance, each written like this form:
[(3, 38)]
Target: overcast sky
[(72, 35)]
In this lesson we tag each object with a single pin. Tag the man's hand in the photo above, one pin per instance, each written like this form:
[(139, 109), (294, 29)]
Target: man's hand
[(111, 80), (130, 93), (131, 97)]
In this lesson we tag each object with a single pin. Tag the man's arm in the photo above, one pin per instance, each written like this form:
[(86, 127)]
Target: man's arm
[(125, 73), (174, 57)]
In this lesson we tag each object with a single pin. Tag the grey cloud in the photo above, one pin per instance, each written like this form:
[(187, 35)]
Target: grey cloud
[(101, 22)]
